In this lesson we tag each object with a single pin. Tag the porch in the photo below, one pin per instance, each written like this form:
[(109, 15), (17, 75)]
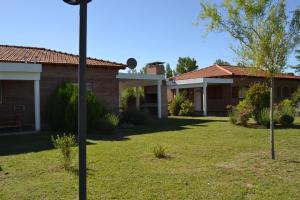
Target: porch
[(20, 96), (154, 89), (202, 90)]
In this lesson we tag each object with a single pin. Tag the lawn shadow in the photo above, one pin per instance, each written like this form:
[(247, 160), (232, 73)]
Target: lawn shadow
[(19, 144), (27, 143), (155, 126)]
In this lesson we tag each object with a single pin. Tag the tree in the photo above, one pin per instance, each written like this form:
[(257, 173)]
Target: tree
[(297, 67), (186, 64), (221, 62), (169, 72), (266, 36)]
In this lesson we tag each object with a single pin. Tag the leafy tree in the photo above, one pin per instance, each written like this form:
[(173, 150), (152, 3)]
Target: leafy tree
[(265, 34), (297, 67), (169, 72), (221, 62), (186, 64), (143, 70)]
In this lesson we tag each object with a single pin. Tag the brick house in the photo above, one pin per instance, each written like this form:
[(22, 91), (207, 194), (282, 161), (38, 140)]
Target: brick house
[(29, 75), (212, 88)]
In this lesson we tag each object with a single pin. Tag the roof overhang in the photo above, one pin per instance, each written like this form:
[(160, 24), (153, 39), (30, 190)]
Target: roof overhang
[(133, 80), (20, 71), (197, 82)]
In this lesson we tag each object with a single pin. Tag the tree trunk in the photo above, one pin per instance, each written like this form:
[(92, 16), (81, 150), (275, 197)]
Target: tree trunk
[(272, 120)]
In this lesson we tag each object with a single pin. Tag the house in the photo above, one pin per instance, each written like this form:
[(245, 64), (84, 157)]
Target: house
[(29, 75), (212, 88)]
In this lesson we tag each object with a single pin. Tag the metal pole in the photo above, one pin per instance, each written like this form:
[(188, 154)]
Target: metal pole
[(82, 100)]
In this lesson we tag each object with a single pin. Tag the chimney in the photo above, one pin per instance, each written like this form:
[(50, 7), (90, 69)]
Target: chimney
[(156, 68)]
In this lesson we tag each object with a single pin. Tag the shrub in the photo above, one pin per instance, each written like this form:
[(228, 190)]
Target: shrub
[(186, 108), (244, 111), (110, 122), (264, 117), (159, 151), (296, 98), (137, 117), (232, 114), (175, 105), (63, 109), (258, 96), (64, 144), (286, 120)]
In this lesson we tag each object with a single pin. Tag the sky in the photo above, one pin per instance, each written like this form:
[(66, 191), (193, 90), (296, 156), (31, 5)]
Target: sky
[(148, 30)]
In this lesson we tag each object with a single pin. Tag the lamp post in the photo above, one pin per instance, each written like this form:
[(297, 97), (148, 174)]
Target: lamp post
[(82, 95)]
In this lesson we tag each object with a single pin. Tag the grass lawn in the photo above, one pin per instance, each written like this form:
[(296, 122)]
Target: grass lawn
[(209, 159)]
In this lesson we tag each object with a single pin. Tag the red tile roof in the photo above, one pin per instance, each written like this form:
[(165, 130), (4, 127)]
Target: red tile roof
[(10, 53), (228, 71)]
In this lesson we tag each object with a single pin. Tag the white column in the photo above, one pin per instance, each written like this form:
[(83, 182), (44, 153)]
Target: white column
[(37, 113), (177, 91), (159, 99), (137, 98), (205, 99)]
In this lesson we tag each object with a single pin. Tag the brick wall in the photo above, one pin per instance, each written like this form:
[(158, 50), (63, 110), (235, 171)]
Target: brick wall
[(102, 81)]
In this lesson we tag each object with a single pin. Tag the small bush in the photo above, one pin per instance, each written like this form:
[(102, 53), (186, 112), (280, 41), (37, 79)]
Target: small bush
[(136, 117), (286, 120), (159, 152), (64, 144), (175, 105), (258, 96), (63, 109), (244, 112), (296, 98), (110, 122), (264, 118), (186, 108), (232, 114)]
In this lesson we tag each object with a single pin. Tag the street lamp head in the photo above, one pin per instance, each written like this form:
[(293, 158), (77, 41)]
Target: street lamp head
[(75, 2)]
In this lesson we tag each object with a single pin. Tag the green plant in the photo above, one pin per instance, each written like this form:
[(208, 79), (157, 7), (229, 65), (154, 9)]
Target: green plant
[(232, 114), (296, 98), (186, 108), (286, 120), (159, 152), (65, 143), (63, 109), (134, 116), (264, 117), (244, 111), (258, 96), (110, 122), (175, 105)]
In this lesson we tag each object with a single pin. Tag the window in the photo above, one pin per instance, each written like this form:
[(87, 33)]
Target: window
[(215, 92), (1, 90), (235, 92), (242, 92)]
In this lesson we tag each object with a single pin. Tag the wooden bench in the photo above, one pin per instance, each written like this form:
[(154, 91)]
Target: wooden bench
[(10, 121)]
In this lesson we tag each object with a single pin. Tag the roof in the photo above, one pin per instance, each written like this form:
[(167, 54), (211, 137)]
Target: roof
[(216, 71), (9, 53), (156, 63)]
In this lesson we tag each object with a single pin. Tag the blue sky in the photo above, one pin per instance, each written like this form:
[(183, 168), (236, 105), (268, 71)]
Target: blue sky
[(148, 30)]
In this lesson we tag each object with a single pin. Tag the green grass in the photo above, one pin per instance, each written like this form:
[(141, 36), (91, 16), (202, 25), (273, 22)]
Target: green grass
[(208, 158)]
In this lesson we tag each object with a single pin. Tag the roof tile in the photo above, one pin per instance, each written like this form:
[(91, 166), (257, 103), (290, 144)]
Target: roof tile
[(9, 53)]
